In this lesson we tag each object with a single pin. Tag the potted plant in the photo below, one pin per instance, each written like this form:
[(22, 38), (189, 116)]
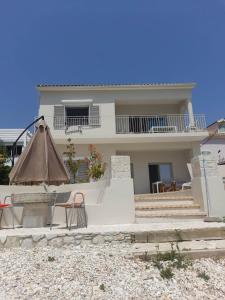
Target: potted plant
[(96, 167)]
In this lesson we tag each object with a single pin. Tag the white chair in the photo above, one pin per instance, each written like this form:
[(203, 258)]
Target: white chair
[(187, 185)]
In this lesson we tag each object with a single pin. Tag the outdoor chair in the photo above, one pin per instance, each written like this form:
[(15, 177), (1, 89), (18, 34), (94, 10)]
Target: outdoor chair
[(3, 206), (75, 204), (187, 185), (172, 187)]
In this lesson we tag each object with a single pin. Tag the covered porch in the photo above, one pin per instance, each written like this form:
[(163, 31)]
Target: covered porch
[(166, 163)]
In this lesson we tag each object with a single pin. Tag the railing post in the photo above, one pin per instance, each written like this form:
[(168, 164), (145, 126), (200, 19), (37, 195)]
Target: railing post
[(190, 113)]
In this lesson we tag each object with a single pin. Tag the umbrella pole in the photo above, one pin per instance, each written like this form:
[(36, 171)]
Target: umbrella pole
[(15, 143)]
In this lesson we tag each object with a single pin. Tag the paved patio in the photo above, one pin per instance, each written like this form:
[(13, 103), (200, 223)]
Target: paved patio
[(138, 233), (104, 229)]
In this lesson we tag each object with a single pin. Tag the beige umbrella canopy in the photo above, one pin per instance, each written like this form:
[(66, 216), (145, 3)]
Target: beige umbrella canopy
[(39, 162)]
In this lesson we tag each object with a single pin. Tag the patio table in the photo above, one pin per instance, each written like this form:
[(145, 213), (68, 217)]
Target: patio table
[(35, 212)]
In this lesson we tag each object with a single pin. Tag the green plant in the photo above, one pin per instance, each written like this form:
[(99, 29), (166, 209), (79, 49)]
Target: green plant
[(166, 273), (102, 287), (51, 258), (96, 167), (203, 275), (172, 258), (71, 163), (4, 168)]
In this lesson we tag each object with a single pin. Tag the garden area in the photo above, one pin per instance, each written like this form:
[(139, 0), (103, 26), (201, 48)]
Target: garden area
[(106, 272)]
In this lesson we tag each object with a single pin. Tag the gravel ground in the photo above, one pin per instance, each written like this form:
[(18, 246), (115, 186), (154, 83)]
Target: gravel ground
[(101, 272)]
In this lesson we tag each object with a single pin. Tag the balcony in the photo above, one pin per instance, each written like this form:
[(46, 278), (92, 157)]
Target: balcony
[(75, 123), (126, 124)]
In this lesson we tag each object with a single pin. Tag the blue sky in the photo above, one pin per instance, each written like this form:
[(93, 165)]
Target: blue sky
[(116, 41)]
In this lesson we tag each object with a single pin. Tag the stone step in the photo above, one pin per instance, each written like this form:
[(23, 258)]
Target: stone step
[(192, 249), (171, 214), (167, 195), (159, 197), (164, 202), (167, 206), (188, 233)]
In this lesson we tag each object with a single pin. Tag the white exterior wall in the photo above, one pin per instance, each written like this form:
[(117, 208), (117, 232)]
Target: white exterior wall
[(112, 102), (106, 110), (176, 148), (207, 185), (141, 155), (214, 145), (145, 109), (142, 159), (82, 151), (106, 201)]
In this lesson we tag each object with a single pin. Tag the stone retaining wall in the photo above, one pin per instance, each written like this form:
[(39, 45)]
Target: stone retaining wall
[(58, 240)]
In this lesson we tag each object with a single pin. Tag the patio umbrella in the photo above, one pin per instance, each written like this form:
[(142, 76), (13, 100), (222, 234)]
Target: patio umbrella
[(40, 162)]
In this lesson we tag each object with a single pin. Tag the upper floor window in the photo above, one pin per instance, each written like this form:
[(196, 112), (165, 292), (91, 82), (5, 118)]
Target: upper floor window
[(221, 128), (77, 111), (77, 115)]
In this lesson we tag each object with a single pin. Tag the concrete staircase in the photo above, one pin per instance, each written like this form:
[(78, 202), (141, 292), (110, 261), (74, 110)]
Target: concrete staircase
[(172, 206)]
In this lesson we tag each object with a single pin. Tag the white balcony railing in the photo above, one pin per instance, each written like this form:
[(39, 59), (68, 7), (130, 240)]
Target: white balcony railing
[(159, 124), (66, 123)]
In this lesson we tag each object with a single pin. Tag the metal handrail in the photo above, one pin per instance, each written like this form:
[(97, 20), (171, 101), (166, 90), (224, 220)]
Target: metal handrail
[(161, 123)]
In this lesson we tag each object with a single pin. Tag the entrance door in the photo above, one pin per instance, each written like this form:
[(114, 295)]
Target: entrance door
[(153, 174), (160, 172)]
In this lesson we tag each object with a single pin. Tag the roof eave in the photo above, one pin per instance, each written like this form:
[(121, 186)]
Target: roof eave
[(115, 87)]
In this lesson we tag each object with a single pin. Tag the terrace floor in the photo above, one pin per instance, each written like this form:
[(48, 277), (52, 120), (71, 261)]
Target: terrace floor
[(113, 229)]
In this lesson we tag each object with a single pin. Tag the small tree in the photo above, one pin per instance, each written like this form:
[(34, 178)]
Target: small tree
[(4, 169), (96, 167), (71, 163)]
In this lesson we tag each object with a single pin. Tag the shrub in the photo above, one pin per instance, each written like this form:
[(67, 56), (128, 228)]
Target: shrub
[(96, 167), (166, 273), (173, 259), (4, 169), (203, 275), (102, 287), (71, 163), (51, 258)]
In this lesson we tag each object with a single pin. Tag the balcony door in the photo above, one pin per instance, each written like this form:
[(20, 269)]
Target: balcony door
[(139, 124), (160, 172)]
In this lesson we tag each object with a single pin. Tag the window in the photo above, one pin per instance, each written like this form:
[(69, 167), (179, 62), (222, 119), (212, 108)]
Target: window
[(221, 128), (165, 171), (77, 115), (18, 150)]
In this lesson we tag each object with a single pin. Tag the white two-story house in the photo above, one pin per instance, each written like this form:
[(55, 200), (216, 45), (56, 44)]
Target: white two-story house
[(152, 123)]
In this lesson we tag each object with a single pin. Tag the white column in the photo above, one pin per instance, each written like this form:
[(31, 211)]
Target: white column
[(207, 185), (190, 113)]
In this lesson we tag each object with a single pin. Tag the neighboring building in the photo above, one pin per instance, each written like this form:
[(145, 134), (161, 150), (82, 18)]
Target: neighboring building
[(152, 123), (9, 136), (215, 142)]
